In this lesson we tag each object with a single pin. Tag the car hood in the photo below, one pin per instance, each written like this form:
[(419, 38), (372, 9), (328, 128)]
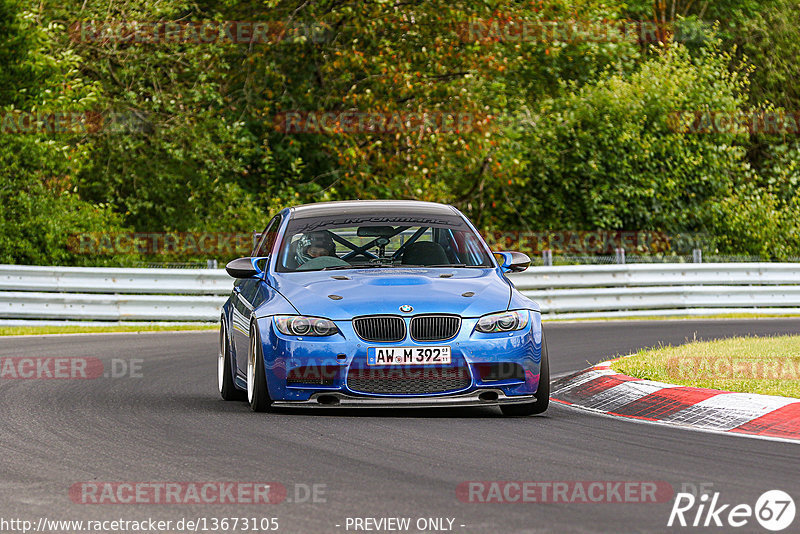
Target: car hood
[(383, 291)]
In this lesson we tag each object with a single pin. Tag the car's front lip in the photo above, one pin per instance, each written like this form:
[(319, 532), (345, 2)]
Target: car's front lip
[(334, 399)]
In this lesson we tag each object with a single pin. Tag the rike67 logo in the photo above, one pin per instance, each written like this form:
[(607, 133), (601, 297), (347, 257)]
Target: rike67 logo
[(774, 510)]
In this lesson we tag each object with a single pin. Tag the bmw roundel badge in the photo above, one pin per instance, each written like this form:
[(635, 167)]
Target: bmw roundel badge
[(406, 308)]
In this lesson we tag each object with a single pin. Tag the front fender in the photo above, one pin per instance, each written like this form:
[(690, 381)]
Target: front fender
[(268, 301), (519, 301)]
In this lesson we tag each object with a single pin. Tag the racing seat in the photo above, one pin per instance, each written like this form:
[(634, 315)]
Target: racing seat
[(291, 261), (425, 253)]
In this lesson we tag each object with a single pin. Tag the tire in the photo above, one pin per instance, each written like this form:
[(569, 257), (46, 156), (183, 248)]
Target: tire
[(257, 393), (542, 394), (227, 389)]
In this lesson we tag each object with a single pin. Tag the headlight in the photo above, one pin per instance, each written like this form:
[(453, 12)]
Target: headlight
[(299, 325), (503, 322)]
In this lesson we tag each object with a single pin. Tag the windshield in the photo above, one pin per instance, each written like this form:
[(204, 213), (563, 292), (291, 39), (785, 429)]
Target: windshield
[(358, 242)]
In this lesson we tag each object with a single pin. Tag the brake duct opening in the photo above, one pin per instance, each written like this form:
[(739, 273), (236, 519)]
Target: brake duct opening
[(488, 396), (328, 400)]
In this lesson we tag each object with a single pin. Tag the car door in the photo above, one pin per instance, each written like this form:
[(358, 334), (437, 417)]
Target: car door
[(244, 292)]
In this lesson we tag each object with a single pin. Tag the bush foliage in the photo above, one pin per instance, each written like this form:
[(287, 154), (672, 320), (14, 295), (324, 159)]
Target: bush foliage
[(578, 133)]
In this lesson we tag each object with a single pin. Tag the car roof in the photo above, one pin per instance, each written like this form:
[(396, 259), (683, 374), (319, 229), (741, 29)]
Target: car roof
[(371, 207)]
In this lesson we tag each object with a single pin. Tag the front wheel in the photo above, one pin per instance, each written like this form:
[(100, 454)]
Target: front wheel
[(257, 393), (227, 389), (542, 393)]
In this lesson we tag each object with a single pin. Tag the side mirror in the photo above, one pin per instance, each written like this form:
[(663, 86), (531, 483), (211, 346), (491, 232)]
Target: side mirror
[(244, 267), (513, 261)]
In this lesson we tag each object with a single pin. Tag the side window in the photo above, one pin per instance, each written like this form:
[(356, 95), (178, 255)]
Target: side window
[(474, 251), (268, 237), (445, 238)]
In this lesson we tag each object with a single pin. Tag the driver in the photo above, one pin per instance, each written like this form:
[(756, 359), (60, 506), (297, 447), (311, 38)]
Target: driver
[(314, 245)]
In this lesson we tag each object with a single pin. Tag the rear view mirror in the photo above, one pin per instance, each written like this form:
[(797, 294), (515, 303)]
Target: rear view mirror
[(244, 267), (375, 231), (515, 262)]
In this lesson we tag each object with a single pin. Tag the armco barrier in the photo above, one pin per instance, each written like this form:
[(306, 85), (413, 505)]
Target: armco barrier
[(112, 294), (112, 280), (655, 274), (662, 289), (109, 294)]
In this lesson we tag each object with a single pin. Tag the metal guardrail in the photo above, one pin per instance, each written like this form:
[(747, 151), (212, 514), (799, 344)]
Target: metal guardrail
[(114, 280), (104, 307), (662, 289), (657, 274), (114, 294)]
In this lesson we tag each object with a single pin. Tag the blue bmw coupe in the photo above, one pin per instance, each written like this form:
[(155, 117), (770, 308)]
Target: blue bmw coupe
[(380, 304)]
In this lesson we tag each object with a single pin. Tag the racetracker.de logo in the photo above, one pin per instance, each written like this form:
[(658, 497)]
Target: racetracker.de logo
[(511, 30), (333, 122), (161, 243), (583, 242), (565, 491), (177, 492), (197, 32), (68, 368), (30, 368), (732, 368), (767, 122), (65, 122)]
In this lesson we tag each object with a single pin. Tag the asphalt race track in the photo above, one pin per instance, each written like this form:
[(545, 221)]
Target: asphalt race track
[(167, 423)]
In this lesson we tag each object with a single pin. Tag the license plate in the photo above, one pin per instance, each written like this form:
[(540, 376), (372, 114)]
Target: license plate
[(408, 355)]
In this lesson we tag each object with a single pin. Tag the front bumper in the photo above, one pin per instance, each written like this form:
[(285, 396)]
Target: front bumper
[(342, 353), (482, 397)]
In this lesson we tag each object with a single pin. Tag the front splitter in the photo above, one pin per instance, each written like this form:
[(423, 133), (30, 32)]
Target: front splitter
[(482, 397)]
